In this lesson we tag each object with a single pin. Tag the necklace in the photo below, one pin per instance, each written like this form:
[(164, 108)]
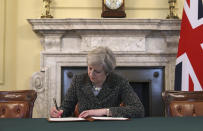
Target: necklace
[(97, 88)]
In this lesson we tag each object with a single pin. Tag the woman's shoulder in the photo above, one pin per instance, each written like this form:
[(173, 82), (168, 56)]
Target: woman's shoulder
[(117, 78), (80, 77)]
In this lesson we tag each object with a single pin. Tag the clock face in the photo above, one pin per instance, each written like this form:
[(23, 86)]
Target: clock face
[(113, 4)]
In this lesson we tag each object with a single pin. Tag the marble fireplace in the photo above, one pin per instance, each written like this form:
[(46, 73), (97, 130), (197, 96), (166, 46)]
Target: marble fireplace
[(135, 42)]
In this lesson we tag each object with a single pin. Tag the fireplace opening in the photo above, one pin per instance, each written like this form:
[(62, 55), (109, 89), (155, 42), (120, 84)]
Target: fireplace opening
[(147, 82), (142, 90)]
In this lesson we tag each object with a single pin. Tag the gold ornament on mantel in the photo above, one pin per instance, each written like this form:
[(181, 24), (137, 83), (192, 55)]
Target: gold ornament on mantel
[(46, 9), (172, 14)]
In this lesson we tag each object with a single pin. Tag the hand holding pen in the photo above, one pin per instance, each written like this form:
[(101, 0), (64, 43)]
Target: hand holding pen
[(55, 111), (54, 99)]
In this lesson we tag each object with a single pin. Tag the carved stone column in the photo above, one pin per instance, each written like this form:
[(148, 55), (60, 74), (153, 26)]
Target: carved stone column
[(39, 84)]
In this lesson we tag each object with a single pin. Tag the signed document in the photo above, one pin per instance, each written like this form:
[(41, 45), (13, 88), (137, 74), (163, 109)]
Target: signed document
[(88, 119)]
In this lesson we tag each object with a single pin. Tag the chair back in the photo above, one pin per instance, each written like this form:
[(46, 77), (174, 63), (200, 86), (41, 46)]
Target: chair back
[(183, 103), (17, 104)]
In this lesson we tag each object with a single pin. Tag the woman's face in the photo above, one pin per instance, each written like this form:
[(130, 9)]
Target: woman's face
[(97, 74)]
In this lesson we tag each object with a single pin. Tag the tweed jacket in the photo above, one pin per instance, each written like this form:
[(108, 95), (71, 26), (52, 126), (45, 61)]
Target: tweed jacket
[(114, 91)]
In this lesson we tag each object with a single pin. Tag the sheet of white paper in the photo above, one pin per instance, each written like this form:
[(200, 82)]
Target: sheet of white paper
[(82, 119), (67, 119), (110, 118)]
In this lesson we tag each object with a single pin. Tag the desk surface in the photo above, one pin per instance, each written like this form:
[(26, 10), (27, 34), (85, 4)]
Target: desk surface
[(139, 124)]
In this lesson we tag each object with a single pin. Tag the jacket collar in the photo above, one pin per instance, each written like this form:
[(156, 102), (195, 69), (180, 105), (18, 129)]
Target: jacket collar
[(106, 90)]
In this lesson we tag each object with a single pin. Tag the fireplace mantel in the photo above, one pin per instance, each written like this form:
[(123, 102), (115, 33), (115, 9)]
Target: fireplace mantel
[(104, 24), (135, 42)]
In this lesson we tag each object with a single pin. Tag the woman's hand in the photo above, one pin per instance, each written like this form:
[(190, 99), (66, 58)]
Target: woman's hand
[(93, 112), (55, 113)]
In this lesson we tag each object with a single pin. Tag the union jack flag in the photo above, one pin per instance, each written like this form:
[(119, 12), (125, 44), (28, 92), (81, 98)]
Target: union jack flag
[(189, 63)]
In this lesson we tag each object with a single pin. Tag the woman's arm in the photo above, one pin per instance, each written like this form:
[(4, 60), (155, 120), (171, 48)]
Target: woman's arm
[(70, 100), (132, 104)]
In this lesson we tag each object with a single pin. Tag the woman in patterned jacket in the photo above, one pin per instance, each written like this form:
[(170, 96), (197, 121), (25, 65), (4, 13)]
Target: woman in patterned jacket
[(100, 91)]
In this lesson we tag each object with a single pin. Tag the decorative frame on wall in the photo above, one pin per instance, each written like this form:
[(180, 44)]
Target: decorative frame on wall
[(2, 39)]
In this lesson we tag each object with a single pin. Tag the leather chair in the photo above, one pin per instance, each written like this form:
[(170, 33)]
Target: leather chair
[(183, 103), (17, 104)]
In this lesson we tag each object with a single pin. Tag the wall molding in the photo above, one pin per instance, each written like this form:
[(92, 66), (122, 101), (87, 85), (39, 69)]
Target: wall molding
[(2, 40)]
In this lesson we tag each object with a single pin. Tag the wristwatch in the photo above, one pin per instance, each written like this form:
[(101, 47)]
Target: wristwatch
[(107, 112)]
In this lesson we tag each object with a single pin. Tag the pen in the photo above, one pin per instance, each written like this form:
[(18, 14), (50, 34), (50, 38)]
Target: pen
[(54, 99)]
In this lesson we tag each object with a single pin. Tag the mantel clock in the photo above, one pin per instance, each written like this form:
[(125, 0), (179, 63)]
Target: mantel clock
[(113, 9)]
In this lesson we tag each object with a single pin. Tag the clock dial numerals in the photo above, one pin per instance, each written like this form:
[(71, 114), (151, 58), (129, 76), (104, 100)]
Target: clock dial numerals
[(113, 4)]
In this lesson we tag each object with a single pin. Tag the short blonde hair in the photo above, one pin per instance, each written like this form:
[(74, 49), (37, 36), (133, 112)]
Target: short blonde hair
[(102, 56)]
